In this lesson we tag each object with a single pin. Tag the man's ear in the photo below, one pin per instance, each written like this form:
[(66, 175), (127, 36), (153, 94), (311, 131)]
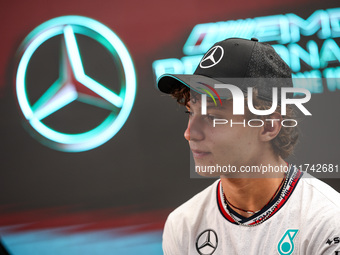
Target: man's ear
[(271, 128)]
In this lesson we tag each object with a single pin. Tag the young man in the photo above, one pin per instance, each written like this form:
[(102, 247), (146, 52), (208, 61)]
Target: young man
[(241, 213)]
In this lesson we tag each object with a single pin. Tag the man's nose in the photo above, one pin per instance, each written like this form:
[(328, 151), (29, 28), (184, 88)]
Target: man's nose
[(194, 130)]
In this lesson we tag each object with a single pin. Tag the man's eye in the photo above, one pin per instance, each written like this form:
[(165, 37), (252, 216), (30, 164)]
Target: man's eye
[(210, 117), (189, 113)]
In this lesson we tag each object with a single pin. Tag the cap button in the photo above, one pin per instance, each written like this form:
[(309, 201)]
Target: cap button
[(255, 39)]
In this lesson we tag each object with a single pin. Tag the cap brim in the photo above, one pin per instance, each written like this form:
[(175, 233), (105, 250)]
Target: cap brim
[(168, 83)]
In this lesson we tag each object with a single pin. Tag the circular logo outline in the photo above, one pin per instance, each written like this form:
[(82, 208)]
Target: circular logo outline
[(112, 124), (207, 242), (210, 57)]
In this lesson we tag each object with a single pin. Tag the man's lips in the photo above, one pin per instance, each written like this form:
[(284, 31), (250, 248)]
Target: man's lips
[(199, 154)]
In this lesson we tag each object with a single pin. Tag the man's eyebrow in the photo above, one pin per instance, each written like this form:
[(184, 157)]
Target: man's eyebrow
[(219, 107)]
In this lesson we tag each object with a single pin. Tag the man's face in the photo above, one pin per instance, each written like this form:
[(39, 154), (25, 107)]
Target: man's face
[(223, 145)]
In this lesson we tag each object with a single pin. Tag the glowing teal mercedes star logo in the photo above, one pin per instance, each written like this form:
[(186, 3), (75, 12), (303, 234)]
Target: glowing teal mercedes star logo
[(73, 84)]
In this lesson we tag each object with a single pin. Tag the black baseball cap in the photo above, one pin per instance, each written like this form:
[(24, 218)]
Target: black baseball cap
[(240, 62)]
